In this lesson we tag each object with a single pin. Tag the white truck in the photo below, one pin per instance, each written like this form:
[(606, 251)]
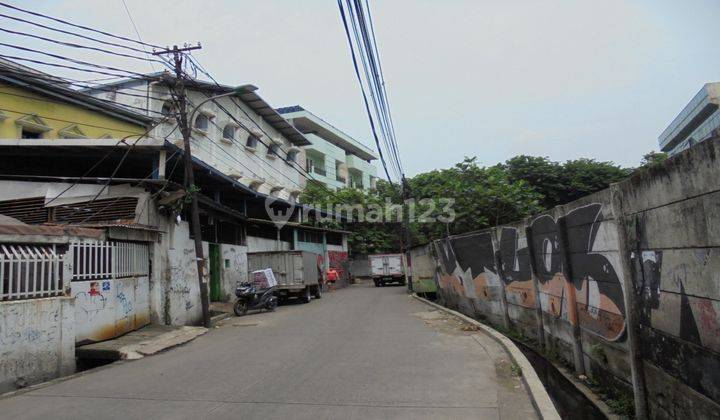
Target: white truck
[(296, 272), (387, 268)]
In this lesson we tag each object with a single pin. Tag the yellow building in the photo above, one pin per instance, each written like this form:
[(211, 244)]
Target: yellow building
[(35, 105)]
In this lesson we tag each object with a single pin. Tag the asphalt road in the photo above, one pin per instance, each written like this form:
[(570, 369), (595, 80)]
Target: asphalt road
[(357, 353)]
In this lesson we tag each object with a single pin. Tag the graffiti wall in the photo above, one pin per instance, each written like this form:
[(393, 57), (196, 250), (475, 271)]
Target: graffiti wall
[(36, 341), (561, 274), (182, 296), (234, 262), (109, 308)]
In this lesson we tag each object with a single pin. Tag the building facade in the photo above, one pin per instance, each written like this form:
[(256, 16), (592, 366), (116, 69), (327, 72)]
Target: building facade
[(695, 123), (241, 136), (334, 159)]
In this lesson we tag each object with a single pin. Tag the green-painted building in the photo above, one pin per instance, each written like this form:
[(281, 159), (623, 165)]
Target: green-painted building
[(334, 158)]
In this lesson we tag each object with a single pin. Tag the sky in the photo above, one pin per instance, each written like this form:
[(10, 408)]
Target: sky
[(485, 78)]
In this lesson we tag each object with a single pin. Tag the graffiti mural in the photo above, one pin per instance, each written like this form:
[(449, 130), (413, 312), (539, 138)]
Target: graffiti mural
[(469, 269), (515, 268), (593, 258)]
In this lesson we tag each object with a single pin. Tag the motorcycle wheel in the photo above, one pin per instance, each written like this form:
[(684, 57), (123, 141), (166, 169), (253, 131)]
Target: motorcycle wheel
[(240, 308), (272, 305)]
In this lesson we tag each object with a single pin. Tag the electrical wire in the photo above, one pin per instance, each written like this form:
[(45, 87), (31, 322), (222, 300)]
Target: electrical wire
[(72, 60), (85, 47), (89, 38), (65, 22), (367, 106), (132, 21)]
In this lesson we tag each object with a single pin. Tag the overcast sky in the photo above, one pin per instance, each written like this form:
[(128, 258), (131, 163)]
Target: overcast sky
[(492, 79)]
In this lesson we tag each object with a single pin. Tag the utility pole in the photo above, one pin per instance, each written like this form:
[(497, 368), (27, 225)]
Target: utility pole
[(179, 89), (406, 231)]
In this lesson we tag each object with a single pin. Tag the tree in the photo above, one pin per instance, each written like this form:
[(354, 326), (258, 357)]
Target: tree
[(562, 183), (653, 159)]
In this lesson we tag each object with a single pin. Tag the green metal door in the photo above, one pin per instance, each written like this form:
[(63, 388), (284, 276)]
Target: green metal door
[(215, 273)]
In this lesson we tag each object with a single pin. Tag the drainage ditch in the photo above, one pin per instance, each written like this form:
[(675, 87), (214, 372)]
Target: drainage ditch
[(568, 400)]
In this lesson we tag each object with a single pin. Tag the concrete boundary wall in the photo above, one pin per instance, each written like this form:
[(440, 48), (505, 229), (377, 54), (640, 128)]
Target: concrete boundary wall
[(37, 341), (566, 278)]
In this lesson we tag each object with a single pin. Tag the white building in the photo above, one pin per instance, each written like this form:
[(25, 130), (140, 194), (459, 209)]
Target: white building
[(334, 158), (253, 145)]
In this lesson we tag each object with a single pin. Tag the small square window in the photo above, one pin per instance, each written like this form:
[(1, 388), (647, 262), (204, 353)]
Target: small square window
[(27, 134)]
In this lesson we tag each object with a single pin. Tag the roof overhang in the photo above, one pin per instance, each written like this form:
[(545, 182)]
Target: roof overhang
[(309, 123), (246, 93), (700, 107)]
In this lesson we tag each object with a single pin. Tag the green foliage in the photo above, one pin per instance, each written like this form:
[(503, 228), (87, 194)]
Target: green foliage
[(560, 183), (653, 159), (482, 197), (366, 237)]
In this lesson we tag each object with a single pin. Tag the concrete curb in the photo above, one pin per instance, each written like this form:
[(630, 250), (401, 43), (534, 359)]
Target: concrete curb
[(539, 396)]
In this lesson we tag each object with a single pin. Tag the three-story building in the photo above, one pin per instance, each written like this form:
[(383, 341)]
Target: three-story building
[(333, 158)]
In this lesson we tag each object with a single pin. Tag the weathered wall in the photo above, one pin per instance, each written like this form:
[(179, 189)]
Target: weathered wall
[(257, 244), (109, 308), (235, 268), (557, 278), (674, 218), (37, 341), (182, 296)]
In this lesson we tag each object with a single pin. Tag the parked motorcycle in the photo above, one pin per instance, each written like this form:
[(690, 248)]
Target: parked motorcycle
[(249, 297)]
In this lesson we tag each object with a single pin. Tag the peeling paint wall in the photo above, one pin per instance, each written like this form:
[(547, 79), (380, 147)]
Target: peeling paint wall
[(182, 295), (235, 268), (558, 276), (37, 341)]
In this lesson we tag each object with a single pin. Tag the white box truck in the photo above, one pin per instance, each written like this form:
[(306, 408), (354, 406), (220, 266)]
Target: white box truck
[(296, 272), (387, 268)]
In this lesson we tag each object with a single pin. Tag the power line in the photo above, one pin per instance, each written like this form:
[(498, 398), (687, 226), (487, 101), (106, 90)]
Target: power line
[(85, 47), (367, 106), (89, 38), (374, 75), (61, 120), (72, 60), (65, 22), (370, 83), (45, 63), (296, 165), (136, 30)]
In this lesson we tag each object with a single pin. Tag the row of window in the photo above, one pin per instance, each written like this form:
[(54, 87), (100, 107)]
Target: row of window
[(202, 123)]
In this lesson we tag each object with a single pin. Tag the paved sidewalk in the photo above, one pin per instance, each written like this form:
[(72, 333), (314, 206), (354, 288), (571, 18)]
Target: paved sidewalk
[(358, 353)]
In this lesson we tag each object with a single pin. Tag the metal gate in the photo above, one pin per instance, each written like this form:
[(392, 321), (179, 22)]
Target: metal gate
[(111, 286)]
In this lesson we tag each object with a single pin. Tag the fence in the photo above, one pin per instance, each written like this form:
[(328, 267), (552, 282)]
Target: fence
[(621, 284), (30, 271), (36, 271), (102, 260)]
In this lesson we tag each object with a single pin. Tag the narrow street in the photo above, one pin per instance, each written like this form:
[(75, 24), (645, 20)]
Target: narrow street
[(361, 352)]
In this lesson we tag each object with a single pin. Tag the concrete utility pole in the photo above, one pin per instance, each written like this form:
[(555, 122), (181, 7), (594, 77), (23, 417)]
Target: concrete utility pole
[(179, 89), (406, 232)]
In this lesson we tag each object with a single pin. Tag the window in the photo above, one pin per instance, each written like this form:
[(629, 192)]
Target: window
[(27, 134), (292, 156), (251, 142), (229, 132), (202, 122), (273, 150)]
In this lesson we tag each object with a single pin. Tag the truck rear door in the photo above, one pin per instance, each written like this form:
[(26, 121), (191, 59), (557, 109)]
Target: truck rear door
[(394, 265), (377, 265)]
